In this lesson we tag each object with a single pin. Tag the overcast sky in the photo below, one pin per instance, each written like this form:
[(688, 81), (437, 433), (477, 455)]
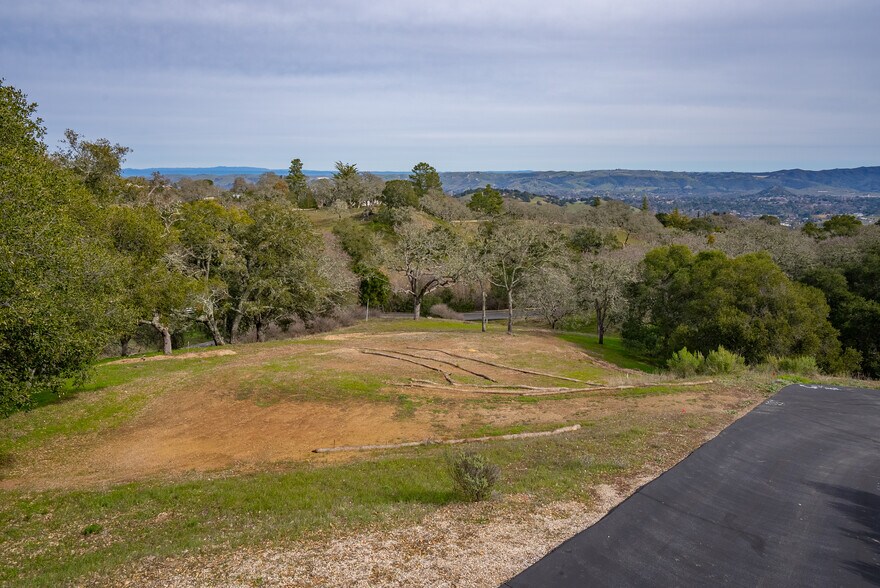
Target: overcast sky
[(466, 85)]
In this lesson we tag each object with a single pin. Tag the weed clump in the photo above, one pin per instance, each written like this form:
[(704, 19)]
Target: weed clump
[(803, 365), (722, 361), (684, 363), (473, 474)]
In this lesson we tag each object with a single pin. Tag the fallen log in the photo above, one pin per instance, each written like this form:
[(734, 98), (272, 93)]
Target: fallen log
[(343, 448), (535, 391)]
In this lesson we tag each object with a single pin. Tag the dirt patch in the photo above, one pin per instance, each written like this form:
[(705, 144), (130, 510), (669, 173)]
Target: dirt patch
[(193, 355), (202, 431)]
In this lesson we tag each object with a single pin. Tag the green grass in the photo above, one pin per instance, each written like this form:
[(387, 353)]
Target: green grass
[(44, 539), (612, 350)]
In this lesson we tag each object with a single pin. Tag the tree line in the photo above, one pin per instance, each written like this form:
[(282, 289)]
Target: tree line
[(90, 257)]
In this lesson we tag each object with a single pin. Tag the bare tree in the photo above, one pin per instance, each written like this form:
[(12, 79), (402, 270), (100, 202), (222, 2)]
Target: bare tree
[(551, 291), (601, 284), (428, 258), (517, 250)]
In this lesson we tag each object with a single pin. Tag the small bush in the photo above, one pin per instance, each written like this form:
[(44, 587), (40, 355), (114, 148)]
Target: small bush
[(92, 529), (684, 363), (722, 361), (474, 476), (804, 365), (443, 311)]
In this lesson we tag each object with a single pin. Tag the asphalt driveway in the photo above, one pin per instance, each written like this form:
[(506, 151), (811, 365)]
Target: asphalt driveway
[(788, 495)]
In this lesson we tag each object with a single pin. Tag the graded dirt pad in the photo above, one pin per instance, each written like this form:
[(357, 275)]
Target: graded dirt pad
[(257, 405)]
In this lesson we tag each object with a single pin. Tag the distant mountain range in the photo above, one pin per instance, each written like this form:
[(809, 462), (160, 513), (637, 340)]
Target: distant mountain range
[(575, 184)]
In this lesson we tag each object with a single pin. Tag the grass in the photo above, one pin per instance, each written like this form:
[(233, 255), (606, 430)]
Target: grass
[(103, 402), (612, 350), (52, 538)]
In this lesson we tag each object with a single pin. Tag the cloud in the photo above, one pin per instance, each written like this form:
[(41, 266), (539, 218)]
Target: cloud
[(515, 84)]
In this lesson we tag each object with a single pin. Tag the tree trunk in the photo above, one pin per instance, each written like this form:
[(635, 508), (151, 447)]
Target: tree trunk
[(600, 324), (238, 314), (510, 312), (261, 336), (485, 320), (215, 331), (123, 345), (417, 309), (166, 339), (368, 310), (164, 331)]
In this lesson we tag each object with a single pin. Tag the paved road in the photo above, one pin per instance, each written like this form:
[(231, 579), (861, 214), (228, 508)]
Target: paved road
[(492, 315), (789, 495)]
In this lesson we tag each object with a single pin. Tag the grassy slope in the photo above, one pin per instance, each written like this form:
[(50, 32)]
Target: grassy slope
[(611, 350), (45, 544), (44, 539)]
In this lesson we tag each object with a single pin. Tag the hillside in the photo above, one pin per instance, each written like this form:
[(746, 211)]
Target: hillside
[(577, 183), (183, 462)]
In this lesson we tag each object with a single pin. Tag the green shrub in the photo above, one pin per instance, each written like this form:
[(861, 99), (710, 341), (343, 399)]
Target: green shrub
[(722, 361), (92, 529), (804, 365), (684, 363), (474, 476)]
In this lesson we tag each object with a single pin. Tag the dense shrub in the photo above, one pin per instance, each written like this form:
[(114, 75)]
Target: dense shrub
[(722, 361), (804, 365), (747, 304), (473, 474), (684, 363)]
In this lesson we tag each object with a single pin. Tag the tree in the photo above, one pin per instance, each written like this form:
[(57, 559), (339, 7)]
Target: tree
[(517, 249), (589, 239), (347, 185), (487, 201), (97, 163), (425, 179), (601, 284), (747, 304), (398, 194), (60, 279), (551, 291), (428, 258), (298, 184), (271, 186), (646, 207), (374, 288), (842, 225), (207, 247), (282, 271)]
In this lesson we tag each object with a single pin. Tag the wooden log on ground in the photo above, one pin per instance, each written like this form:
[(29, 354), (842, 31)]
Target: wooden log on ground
[(344, 448), (535, 391)]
